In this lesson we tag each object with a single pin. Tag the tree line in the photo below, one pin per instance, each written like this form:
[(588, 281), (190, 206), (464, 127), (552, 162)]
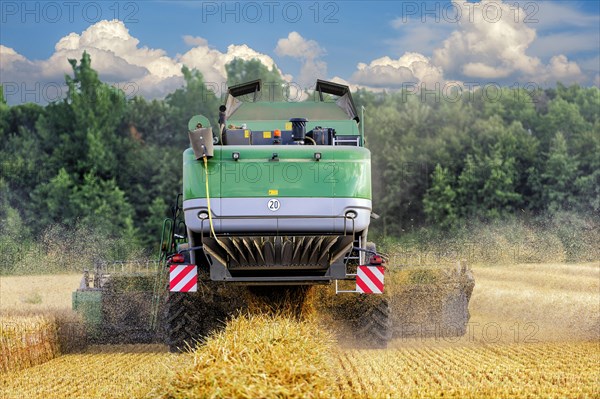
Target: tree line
[(447, 163), (113, 164)]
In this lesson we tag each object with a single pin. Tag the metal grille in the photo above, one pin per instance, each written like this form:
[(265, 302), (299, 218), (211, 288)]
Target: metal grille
[(306, 252)]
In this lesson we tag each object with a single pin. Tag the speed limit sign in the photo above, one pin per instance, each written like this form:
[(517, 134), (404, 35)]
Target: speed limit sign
[(273, 205)]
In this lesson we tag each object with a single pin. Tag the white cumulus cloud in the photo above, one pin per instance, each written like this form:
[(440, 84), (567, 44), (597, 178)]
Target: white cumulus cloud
[(486, 47), (211, 62), (385, 72), (195, 40), (490, 43), (119, 59), (563, 70), (309, 52), (298, 47)]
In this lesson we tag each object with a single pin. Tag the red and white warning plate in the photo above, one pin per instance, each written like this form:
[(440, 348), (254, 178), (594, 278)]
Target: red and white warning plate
[(369, 279), (183, 278)]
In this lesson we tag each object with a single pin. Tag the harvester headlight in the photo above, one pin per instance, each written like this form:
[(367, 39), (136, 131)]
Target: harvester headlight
[(317, 156), (202, 215), (235, 156), (351, 214)]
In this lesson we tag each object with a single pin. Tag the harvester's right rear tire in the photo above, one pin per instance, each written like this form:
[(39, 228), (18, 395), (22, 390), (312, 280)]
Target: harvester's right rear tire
[(361, 321), (374, 328), (435, 305)]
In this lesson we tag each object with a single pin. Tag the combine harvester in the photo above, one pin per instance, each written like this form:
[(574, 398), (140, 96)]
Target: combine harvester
[(277, 198)]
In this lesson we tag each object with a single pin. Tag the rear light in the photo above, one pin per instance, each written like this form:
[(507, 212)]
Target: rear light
[(375, 260), (178, 258)]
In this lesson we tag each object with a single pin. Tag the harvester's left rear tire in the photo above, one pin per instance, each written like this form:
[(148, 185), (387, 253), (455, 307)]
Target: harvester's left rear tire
[(179, 322), (190, 318)]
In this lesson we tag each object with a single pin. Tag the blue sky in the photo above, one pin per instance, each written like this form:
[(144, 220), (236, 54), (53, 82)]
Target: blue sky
[(376, 44)]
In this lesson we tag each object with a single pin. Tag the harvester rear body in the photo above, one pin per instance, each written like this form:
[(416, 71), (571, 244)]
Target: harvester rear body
[(289, 186), (277, 197)]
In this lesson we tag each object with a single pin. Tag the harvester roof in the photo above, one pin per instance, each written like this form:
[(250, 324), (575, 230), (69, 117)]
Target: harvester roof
[(317, 108)]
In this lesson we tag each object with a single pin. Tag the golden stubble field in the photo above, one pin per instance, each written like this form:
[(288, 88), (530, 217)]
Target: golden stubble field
[(534, 332)]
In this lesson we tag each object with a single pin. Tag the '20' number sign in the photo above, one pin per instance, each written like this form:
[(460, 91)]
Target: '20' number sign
[(273, 205)]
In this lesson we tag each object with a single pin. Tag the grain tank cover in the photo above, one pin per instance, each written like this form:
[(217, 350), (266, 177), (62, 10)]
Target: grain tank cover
[(245, 88), (233, 103), (344, 101)]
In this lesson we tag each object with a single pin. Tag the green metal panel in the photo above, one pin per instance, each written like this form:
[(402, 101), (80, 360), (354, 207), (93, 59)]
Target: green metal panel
[(342, 172), (89, 305), (194, 175)]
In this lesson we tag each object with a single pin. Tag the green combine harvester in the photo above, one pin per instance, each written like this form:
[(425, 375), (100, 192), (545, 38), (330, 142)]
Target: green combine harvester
[(276, 197)]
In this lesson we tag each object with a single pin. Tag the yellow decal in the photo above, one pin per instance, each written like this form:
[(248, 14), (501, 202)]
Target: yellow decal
[(266, 135), (288, 126), (273, 192), (246, 134)]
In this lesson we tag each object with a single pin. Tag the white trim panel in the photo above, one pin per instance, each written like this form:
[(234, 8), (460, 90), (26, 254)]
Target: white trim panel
[(294, 215)]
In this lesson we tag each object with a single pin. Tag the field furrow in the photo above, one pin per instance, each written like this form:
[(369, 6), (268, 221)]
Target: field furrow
[(543, 370), (125, 371)]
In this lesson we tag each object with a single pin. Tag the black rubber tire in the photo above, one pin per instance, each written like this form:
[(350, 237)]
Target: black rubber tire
[(177, 323), (374, 328), (437, 309), (189, 319)]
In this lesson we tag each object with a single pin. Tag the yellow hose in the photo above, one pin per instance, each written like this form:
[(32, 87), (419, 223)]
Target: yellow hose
[(210, 221)]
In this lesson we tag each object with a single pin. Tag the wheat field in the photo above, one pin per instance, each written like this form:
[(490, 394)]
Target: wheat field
[(34, 293), (26, 341), (111, 371), (534, 333), (545, 370)]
